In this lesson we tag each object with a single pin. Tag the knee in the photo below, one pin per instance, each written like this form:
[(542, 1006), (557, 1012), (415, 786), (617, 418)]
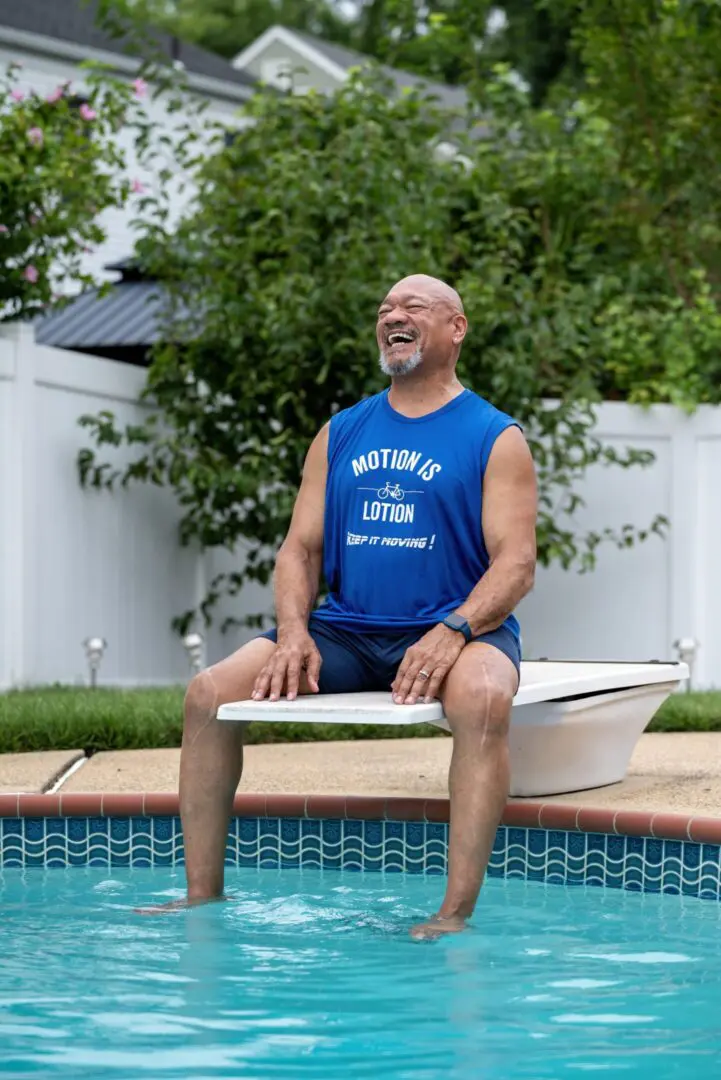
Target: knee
[(201, 699), (481, 704)]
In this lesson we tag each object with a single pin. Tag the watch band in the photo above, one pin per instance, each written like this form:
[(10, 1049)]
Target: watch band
[(460, 625)]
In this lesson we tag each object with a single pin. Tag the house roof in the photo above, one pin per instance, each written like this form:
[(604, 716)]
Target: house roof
[(74, 23), (128, 315), (338, 60)]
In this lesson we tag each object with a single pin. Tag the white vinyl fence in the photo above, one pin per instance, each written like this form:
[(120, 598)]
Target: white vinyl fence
[(77, 563)]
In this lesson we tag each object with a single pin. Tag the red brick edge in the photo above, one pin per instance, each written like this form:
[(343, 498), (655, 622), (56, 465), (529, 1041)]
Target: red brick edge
[(529, 815)]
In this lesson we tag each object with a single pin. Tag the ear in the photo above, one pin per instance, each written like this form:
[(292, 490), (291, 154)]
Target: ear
[(460, 327)]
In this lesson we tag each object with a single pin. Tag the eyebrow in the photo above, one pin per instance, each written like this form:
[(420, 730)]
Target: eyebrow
[(406, 300)]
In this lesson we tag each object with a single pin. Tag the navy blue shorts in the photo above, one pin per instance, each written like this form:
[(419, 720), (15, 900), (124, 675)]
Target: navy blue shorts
[(354, 662)]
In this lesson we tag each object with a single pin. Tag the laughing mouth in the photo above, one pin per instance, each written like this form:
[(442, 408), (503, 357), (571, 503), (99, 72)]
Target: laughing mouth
[(400, 337)]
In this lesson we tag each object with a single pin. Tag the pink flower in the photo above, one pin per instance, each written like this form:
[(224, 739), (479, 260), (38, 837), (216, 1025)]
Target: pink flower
[(34, 219), (137, 187), (35, 136), (55, 95), (17, 95), (30, 273), (4, 229), (140, 87), (87, 113)]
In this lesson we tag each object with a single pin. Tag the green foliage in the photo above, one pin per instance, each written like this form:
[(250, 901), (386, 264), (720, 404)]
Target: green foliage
[(68, 718), (60, 166)]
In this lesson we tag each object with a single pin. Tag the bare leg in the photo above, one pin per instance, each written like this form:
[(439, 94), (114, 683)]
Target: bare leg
[(211, 763), (477, 699)]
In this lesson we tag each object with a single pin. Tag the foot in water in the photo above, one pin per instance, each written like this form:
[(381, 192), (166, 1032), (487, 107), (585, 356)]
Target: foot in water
[(179, 905), (438, 926)]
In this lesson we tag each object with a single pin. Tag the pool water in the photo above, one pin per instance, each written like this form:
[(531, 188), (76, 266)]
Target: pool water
[(312, 974)]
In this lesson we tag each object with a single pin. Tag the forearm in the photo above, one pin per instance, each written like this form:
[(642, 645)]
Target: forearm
[(297, 576), (501, 588)]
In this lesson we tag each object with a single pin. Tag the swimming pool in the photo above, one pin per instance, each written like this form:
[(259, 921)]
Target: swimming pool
[(310, 973), (309, 970)]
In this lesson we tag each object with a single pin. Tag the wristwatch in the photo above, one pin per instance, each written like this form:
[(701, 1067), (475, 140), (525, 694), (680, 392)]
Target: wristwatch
[(457, 622)]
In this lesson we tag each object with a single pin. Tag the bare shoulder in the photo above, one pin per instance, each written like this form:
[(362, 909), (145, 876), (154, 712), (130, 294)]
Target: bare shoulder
[(510, 453)]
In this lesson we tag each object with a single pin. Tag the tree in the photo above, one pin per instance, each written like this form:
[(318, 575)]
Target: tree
[(300, 225), (60, 167)]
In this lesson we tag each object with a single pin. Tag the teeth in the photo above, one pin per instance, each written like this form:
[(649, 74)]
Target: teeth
[(393, 339)]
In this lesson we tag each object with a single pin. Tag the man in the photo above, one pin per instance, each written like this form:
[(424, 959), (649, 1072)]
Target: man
[(420, 503)]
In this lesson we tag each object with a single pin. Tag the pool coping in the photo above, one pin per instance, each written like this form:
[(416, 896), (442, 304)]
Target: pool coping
[(660, 825)]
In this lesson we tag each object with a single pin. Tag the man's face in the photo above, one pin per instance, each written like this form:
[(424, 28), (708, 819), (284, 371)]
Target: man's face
[(413, 327)]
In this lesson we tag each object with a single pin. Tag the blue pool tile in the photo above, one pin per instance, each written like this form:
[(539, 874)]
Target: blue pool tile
[(140, 826), (635, 845), (516, 866), (576, 845), (615, 851), (436, 831), (331, 832), (289, 830), (415, 834), (353, 828), (163, 828), (555, 838), (310, 827), (373, 835), (595, 842), (77, 829), (654, 852), (120, 829), (517, 837), (34, 829), (12, 826), (691, 856), (672, 851), (248, 830)]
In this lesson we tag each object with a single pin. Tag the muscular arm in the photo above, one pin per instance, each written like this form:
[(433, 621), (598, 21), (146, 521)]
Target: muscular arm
[(509, 530), (297, 569)]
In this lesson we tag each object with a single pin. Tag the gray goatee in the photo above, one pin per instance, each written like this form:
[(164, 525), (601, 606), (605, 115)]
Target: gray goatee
[(405, 367)]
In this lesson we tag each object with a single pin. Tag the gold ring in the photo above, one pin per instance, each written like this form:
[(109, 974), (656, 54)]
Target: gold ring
[(424, 675)]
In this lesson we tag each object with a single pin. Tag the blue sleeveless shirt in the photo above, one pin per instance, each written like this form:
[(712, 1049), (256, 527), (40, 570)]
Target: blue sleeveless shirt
[(403, 543)]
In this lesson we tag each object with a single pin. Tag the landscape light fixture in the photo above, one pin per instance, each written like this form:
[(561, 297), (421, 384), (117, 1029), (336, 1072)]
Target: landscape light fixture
[(194, 646), (94, 649)]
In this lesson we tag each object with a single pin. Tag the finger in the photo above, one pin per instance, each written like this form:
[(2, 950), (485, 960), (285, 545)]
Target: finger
[(419, 684), (292, 677), (432, 689), (262, 683), (277, 681), (314, 661), (401, 673), (409, 677)]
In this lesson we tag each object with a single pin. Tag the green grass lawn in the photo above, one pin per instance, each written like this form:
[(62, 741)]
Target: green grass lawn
[(64, 718)]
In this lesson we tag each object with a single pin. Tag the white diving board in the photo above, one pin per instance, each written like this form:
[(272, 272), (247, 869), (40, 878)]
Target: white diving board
[(574, 723)]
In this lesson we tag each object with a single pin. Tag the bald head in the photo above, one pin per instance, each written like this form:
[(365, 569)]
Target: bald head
[(420, 322), (433, 287)]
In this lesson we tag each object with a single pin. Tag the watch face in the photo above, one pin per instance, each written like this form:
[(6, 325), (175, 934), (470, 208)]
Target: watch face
[(455, 621)]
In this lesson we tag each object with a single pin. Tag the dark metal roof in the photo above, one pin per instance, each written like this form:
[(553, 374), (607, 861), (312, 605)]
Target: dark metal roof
[(127, 316), (452, 97), (75, 21)]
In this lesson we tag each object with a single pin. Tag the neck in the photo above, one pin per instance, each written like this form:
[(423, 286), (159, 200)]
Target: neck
[(423, 392)]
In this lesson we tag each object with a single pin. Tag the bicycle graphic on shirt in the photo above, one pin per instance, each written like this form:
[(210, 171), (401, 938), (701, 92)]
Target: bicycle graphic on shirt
[(390, 491)]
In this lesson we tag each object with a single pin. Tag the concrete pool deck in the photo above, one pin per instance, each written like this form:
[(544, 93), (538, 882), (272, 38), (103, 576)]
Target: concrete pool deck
[(679, 773)]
